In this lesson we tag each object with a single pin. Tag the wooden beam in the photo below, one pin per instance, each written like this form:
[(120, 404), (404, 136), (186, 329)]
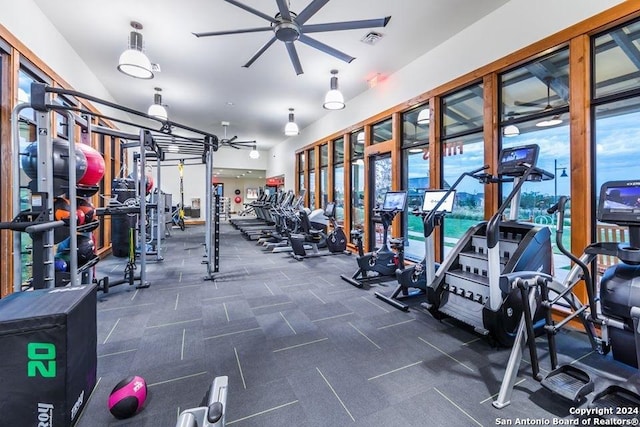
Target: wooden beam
[(580, 148), (491, 132)]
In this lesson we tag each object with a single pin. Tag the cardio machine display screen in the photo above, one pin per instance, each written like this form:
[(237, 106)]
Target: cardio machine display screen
[(432, 197), (395, 200), (330, 210), (512, 159), (620, 202)]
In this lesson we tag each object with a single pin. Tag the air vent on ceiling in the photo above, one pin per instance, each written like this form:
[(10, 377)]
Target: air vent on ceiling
[(371, 38)]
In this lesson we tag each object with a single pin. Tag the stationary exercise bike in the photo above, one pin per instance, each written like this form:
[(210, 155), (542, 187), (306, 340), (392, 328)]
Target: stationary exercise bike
[(412, 280), (383, 262), (335, 242)]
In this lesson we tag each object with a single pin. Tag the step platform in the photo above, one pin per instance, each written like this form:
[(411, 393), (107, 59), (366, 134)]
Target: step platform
[(568, 382), (623, 402)]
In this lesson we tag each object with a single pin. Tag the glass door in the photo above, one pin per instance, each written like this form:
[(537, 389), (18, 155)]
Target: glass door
[(380, 179)]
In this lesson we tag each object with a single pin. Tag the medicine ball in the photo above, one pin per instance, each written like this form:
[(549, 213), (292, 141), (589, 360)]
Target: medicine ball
[(128, 397), (61, 264), (60, 160), (87, 208), (61, 209), (86, 249), (149, 182), (95, 165), (238, 199)]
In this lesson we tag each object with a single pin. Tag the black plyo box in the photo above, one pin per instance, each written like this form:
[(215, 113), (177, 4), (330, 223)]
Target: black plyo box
[(48, 356)]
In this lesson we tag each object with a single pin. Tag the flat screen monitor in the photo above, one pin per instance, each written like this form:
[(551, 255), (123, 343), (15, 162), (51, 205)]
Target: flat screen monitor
[(620, 202), (330, 210), (395, 200), (512, 159), (432, 197)]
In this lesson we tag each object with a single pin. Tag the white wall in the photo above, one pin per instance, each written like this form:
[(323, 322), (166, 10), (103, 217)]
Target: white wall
[(194, 177), (29, 25), (515, 25)]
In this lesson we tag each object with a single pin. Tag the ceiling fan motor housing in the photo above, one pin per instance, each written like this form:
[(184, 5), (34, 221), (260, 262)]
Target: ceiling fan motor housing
[(287, 31)]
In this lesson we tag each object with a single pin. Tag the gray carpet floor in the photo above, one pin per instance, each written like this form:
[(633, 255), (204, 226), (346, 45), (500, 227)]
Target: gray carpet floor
[(300, 346)]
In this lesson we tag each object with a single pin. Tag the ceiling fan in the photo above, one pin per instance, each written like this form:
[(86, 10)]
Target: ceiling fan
[(547, 80), (289, 27), (233, 142)]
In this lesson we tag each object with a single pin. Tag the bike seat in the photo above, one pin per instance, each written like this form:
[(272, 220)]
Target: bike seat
[(396, 241)]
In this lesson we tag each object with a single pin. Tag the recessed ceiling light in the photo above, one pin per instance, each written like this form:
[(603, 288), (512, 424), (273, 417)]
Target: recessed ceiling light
[(230, 104)]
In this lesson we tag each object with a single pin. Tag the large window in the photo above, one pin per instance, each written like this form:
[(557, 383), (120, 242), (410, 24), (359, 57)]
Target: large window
[(324, 168), (356, 145), (462, 151), (382, 131), (616, 109), (312, 178), (338, 178), (415, 176), (301, 183), (535, 110)]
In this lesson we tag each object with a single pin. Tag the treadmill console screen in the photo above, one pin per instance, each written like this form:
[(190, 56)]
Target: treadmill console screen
[(512, 160), (432, 197), (620, 202), (395, 200)]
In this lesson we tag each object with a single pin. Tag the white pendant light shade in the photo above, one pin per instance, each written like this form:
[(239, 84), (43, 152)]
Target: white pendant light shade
[(133, 62), (291, 128), (423, 117), (254, 153), (156, 109), (555, 120), (334, 99), (510, 131), (360, 137)]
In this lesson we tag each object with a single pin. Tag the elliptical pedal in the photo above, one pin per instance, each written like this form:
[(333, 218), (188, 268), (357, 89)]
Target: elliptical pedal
[(568, 382), (616, 396)]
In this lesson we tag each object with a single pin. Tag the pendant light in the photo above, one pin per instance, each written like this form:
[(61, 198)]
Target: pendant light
[(334, 99), (156, 109), (510, 131), (254, 153), (423, 117), (291, 127), (133, 62)]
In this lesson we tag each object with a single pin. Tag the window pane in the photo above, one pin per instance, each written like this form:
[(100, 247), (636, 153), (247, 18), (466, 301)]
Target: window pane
[(324, 155), (416, 181), (463, 155), (324, 187), (381, 131), (312, 159), (312, 190), (338, 193), (415, 127), (616, 60), (536, 88), (617, 127), (357, 179), (338, 151), (462, 111)]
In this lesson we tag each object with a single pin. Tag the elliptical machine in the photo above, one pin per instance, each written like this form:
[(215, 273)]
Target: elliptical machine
[(435, 205), (613, 307), (383, 262)]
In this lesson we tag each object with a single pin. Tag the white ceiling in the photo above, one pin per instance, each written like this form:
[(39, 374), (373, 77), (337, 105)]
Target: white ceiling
[(203, 80)]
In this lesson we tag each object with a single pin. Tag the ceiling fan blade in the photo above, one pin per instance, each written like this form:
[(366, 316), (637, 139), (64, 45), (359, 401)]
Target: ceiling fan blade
[(324, 48), (293, 55), (528, 104), (310, 10), (233, 138), (284, 11), (252, 10), (222, 33), (260, 52), (347, 25)]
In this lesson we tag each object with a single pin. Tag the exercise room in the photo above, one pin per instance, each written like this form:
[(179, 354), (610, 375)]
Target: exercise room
[(319, 213)]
